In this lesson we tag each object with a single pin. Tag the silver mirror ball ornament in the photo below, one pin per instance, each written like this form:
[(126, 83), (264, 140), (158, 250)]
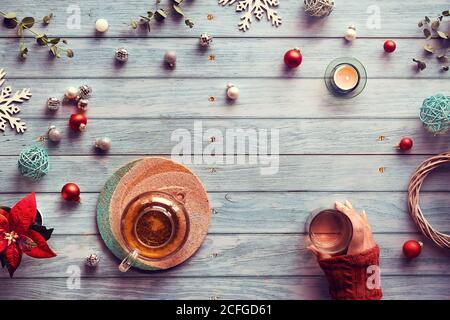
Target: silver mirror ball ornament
[(53, 103), (83, 104), (122, 55), (92, 260), (103, 143), (84, 91), (205, 39)]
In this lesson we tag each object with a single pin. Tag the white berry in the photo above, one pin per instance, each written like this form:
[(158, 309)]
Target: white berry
[(350, 34), (232, 92), (101, 25), (71, 93)]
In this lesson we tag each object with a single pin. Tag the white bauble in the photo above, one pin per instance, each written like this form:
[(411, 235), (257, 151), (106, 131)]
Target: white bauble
[(101, 25)]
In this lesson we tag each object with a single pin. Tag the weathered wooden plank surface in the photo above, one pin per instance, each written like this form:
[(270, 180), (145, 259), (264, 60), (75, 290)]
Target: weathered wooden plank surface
[(306, 136), (394, 22), (94, 58), (259, 212), (296, 173), (234, 255), (394, 287), (150, 98)]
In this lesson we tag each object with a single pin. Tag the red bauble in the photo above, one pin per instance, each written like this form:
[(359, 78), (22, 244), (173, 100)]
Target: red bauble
[(405, 144), (412, 248), (389, 46), (293, 58), (77, 122), (70, 192)]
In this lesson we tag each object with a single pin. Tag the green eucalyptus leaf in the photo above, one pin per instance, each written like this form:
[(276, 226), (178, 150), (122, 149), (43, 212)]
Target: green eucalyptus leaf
[(10, 20), (46, 19), (420, 64), (435, 25), (446, 13), (54, 50), (27, 22), (442, 35), (55, 40), (178, 10), (134, 24), (427, 19), (178, 1), (10, 15), (189, 23), (429, 48), (445, 68), (42, 39), (427, 34), (69, 53), (420, 24), (160, 15)]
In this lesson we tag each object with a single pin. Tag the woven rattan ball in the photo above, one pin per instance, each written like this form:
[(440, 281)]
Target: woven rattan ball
[(319, 8)]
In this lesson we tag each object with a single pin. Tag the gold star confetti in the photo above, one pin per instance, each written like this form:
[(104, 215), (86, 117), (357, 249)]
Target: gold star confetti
[(212, 139), (381, 169), (210, 17), (381, 138), (212, 57), (211, 99)]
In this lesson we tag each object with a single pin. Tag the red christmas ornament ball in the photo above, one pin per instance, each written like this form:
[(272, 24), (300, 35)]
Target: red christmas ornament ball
[(389, 46), (78, 122), (70, 192), (293, 58), (412, 248), (405, 144)]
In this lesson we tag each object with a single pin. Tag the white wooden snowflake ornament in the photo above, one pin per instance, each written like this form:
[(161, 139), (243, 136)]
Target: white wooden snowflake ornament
[(7, 107), (258, 8)]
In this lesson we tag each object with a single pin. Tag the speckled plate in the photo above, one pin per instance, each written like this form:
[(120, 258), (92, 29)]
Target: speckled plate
[(153, 174)]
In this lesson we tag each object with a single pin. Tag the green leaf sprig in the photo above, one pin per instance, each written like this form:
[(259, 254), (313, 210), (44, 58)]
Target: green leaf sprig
[(433, 29), (11, 21), (160, 15)]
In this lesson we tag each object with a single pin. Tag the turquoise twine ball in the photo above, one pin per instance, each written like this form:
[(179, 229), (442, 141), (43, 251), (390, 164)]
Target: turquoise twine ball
[(33, 162), (435, 113)]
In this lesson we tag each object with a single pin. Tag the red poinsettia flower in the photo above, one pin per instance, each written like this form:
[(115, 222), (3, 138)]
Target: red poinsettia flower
[(16, 237)]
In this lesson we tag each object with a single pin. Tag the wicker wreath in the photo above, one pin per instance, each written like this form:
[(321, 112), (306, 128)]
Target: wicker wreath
[(441, 239)]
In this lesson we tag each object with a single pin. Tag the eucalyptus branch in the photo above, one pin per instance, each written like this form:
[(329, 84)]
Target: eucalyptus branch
[(11, 21), (160, 14)]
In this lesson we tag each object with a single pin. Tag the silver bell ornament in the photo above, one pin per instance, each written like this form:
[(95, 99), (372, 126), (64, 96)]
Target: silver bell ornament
[(92, 260), (54, 134), (122, 55), (84, 92), (103, 143), (53, 103), (170, 58), (205, 39), (83, 104)]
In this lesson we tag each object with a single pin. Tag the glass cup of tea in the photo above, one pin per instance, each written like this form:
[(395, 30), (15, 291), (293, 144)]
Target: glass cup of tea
[(329, 230), (154, 226)]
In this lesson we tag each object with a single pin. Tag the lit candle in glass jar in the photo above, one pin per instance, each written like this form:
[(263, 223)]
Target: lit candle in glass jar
[(345, 77)]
